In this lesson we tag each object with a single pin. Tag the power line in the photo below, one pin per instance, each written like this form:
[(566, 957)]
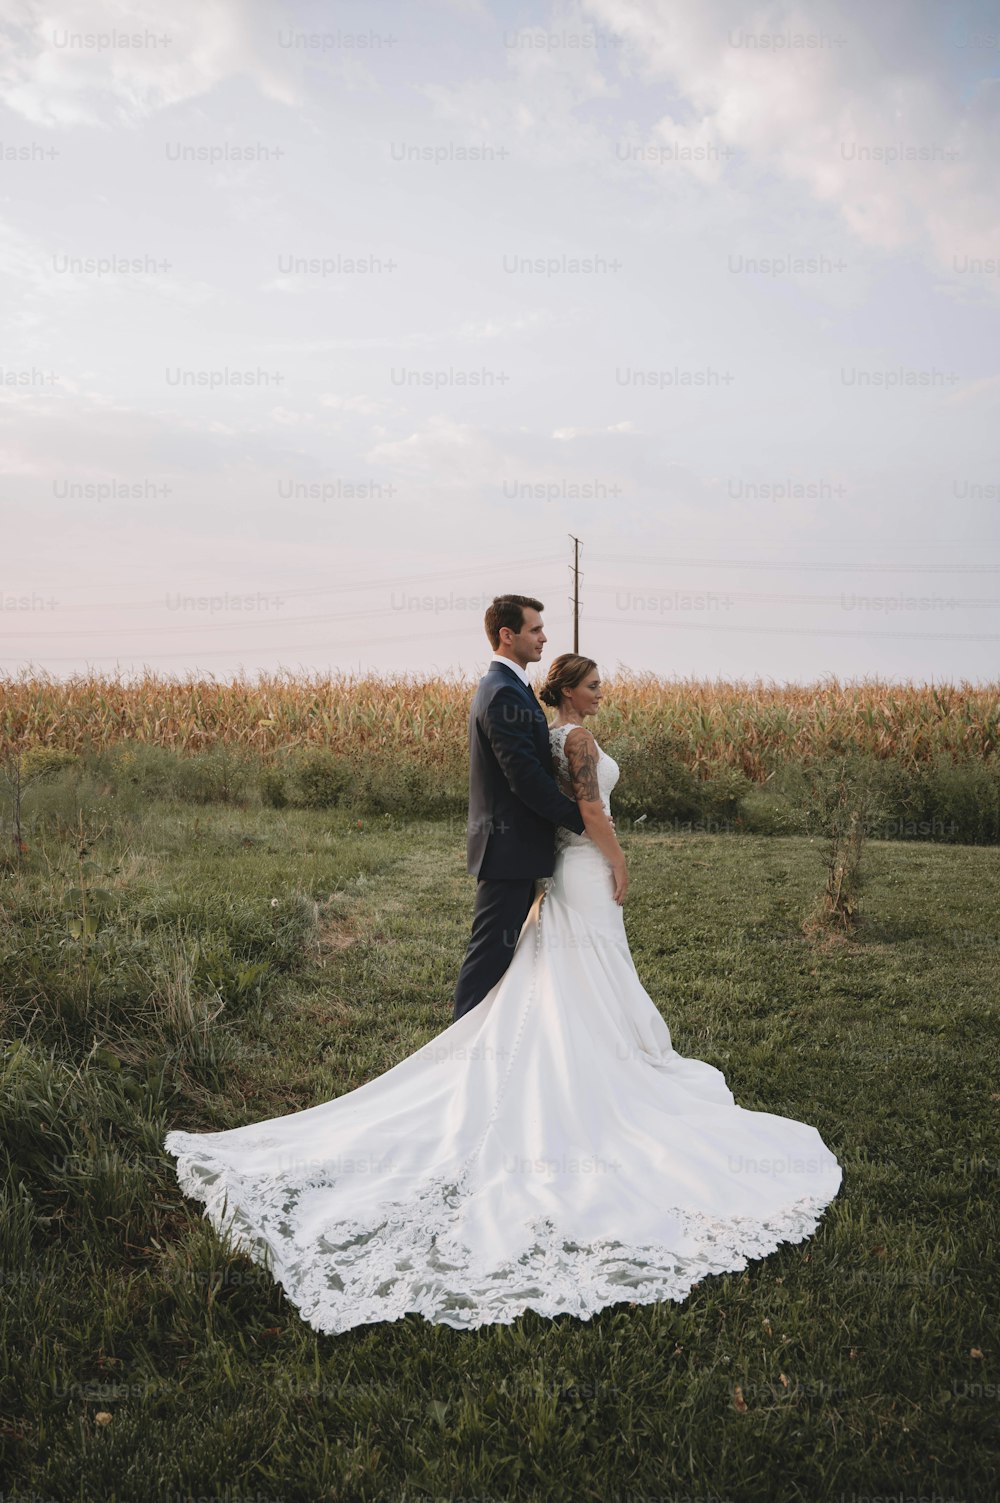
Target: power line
[(284, 647), (808, 631), (202, 628), (338, 587), (775, 598), (266, 620), (331, 648), (850, 566)]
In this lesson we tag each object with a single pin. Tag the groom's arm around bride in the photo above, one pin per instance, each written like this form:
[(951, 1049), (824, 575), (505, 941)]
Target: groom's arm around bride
[(514, 800)]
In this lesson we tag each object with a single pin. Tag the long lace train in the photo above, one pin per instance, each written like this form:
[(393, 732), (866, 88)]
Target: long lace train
[(549, 1151)]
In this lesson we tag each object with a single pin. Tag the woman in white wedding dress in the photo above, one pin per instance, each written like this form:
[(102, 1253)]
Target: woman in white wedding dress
[(549, 1151)]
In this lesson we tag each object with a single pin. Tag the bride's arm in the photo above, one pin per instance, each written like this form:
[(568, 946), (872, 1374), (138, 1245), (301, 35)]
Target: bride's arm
[(581, 754)]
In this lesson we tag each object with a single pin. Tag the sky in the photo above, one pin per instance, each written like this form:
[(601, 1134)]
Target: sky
[(324, 324)]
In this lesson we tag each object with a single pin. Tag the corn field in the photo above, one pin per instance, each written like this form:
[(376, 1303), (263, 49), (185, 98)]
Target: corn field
[(749, 726)]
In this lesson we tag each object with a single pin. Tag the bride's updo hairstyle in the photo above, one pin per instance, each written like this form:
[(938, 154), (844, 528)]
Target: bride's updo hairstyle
[(567, 670)]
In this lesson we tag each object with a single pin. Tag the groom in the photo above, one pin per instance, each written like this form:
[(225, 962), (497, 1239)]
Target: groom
[(514, 801)]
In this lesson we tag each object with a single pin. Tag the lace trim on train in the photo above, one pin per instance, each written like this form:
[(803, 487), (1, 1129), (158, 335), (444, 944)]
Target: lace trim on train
[(409, 1258)]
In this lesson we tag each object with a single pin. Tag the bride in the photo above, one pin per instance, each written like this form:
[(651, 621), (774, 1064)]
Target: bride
[(549, 1151)]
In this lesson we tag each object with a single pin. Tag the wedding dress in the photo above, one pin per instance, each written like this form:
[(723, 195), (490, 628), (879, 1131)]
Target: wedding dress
[(549, 1151)]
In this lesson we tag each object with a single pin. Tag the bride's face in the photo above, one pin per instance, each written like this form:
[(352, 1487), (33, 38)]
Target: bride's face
[(585, 697)]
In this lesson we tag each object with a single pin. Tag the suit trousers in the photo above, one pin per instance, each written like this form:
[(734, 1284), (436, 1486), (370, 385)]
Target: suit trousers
[(502, 905)]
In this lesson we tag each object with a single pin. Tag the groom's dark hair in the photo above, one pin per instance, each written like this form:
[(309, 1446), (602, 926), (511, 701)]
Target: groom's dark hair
[(507, 610)]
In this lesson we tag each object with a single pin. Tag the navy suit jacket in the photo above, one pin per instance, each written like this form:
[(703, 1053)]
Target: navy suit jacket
[(514, 800)]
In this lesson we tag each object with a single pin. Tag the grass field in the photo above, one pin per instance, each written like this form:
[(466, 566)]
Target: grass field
[(142, 1361)]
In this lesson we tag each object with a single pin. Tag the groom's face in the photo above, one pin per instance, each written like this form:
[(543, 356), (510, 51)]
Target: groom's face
[(526, 645)]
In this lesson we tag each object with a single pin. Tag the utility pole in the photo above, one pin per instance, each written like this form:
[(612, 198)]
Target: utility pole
[(575, 597)]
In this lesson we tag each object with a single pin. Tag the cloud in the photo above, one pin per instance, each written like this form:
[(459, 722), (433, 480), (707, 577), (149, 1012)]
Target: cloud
[(75, 431), (969, 396), (364, 405), (535, 105), (565, 434), (501, 328), (491, 469), (465, 7), (448, 453), (110, 62), (890, 151)]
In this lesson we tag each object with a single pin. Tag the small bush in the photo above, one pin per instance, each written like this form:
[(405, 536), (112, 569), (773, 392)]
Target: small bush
[(143, 765), (847, 803), (320, 779), (218, 776), (43, 761), (388, 786), (274, 788), (962, 799), (656, 781)]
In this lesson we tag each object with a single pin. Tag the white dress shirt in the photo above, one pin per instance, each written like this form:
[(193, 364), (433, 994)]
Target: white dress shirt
[(498, 657)]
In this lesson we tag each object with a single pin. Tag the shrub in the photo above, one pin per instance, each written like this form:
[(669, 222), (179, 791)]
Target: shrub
[(388, 786), (274, 788), (42, 761), (320, 779), (848, 804), (216, 776), (656, 781)]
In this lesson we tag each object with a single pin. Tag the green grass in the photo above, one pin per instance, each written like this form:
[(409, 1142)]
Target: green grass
[(860, 1363)]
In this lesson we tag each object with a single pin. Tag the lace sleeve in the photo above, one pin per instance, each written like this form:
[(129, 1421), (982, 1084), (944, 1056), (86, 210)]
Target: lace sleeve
[(560, 765)]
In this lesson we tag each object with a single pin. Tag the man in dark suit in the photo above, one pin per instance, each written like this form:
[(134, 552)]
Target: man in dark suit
[(514, 800)]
